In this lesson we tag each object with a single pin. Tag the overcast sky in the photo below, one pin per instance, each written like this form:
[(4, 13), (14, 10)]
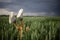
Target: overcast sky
[(32, 7)]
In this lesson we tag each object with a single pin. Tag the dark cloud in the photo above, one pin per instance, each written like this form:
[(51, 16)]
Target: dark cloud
[(5, 0), (50, 7)]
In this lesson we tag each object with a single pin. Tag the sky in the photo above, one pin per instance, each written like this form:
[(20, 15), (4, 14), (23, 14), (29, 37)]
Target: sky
[(33, 7)]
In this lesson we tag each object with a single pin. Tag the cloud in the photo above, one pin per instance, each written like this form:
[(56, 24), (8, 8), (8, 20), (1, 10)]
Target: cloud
[(5, 0), (34, 7)]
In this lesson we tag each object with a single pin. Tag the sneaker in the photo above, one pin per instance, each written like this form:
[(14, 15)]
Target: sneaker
[(11, 17), (20, 13)]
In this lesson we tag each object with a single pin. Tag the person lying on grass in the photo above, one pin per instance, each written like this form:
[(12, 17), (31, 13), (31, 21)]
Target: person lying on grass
[(18, 20)]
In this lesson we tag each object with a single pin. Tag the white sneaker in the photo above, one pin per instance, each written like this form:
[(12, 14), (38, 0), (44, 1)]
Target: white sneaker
[(11, 17), (20, 13)]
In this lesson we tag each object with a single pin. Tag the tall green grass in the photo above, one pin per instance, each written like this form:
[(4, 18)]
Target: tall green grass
[(41, 28)]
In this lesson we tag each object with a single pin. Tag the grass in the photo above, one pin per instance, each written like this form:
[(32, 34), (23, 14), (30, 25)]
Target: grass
[(41, 28)]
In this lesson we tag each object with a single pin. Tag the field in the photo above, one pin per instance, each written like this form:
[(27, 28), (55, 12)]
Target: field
[(41, 28)]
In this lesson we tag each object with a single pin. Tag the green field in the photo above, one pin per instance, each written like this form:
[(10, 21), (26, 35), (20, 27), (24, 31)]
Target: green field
[(41, 28)]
